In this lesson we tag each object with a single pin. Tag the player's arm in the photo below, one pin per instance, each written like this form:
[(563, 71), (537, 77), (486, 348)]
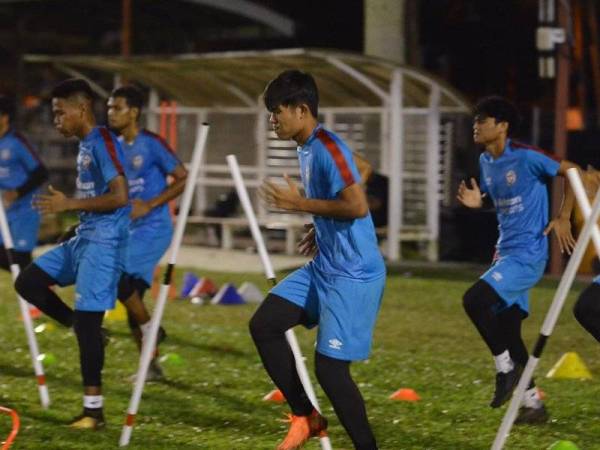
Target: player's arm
[(36, 178), (141, 207), (56, 201), (351, 202), (364, 168), (561, 224)]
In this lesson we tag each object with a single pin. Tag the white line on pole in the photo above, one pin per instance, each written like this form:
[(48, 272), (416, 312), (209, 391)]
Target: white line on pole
[(24, 307), (149, 343), (270, 274), (548, 326), (583, 202)]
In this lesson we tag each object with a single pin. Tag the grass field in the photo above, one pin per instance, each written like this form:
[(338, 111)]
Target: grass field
[(423, 340)]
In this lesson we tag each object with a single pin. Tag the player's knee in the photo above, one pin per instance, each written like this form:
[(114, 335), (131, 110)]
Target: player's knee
[(585, 308), (331, 370), (262, 325), (479, 297), (28, 283)]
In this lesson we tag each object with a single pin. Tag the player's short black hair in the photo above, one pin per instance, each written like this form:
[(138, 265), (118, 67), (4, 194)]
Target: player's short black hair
[(499, 108), (132, 95), (292, 88), (73, 86), (7, 106)]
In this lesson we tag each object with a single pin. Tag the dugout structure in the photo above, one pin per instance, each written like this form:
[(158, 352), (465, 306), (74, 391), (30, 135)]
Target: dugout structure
[(400, 118)]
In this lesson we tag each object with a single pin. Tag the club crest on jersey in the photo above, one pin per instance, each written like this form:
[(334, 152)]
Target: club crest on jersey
[(137, 161), (5, 154), (85, 161), (511, 177)]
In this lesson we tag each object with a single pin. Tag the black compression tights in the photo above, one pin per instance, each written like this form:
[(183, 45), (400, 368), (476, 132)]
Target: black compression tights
[(500, 331), (267, 327), (88, 328), (587, 310), (33, 284), (21, 258)]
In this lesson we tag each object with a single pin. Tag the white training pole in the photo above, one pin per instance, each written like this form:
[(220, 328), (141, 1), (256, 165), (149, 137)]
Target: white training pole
[(583, 202), (149, 342), (24, 306), (548, 326), (270, 274)]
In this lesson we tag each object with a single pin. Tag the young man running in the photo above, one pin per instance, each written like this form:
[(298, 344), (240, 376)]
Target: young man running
[(21, 175), (340, 289), (514, 177), (149, 160), (93, 259)]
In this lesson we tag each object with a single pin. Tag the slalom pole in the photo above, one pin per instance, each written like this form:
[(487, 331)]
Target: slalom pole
[(548, 326), (150, 341), (583, 202), (24, 306), (270, 274)]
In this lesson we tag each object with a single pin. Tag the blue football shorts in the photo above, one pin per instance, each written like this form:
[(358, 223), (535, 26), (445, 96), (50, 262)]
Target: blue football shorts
[(345, 309), (512, 279), (93, 267)]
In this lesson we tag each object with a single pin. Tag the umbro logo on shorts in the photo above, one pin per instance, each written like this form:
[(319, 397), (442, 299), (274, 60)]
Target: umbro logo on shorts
[(497, 276), (335, 344)]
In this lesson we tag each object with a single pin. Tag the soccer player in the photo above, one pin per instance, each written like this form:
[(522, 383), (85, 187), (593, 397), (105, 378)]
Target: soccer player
[(21, 175), (149, 160), (340, 289), (93, 259), (514, 177)]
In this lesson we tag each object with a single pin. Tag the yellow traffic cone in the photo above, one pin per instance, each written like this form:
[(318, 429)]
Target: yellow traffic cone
[(570, 365), (118, 314)]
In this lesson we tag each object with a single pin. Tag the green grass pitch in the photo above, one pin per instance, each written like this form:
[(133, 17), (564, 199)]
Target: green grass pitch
[(423, 341)]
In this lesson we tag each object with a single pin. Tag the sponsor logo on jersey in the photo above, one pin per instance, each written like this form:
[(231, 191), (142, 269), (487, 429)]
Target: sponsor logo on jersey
[(5, 154), (137, 161), (511, 177), (335, 344)]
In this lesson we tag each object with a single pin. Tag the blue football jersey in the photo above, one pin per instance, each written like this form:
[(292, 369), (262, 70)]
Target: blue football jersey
[(149, 160), (99, 161), (516, 182), (348, 247), (17, 160)]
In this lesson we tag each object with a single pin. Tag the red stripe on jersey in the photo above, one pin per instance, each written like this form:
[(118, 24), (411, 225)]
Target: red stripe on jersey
[(112, 151), (536, 149), (164, 143), (337, 156), (27, 145)]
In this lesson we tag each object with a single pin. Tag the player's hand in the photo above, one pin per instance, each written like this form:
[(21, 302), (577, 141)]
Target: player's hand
[(280, 197), (308, 244), (139, 208), (471, 198), (54, 202), (562, 230), (8, 197)]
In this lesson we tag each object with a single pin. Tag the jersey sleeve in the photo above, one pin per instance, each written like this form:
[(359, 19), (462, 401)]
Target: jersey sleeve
[(106, 153), (26, 155), (165, 157), (483, 187), (337, 165), (540, 165)]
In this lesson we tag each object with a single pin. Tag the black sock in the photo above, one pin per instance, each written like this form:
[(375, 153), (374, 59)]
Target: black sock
[(268, 326), (87, 328), (480, 302), (334, 376), (33, 284)]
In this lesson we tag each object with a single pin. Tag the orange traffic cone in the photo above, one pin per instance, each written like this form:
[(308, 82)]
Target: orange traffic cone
[(275, 396), (405, 395)]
